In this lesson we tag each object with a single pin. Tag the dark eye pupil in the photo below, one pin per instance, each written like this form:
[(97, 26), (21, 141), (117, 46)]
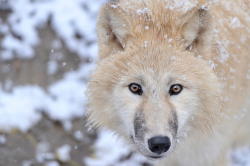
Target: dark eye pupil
[(135, 88), (175, 89)]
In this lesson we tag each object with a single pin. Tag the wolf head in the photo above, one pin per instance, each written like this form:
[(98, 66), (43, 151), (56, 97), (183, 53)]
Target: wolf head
[(150, 86)]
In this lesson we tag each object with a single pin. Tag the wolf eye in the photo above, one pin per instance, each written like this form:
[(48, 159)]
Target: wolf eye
[(135, 88), (175, 89)]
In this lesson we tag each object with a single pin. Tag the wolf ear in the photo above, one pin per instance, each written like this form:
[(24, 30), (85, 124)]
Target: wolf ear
[(196, 30), (112, 30)]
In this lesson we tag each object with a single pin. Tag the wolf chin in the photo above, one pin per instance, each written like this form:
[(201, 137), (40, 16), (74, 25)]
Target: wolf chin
[(173, 80)]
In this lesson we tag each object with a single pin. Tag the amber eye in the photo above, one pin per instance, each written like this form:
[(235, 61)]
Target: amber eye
[(135, 88), (175, 89)]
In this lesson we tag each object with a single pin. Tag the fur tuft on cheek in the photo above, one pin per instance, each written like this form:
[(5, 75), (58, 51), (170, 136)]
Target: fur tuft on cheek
[(209, 108)]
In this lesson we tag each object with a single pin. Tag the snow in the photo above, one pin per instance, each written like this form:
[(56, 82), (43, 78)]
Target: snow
[(241, 157), (142, 11), (146, 27), (43, 152), (224, 54), (52, 163), (27, 163), (18, 108), (182, 5), (78, 135), (52, 67), (22, 107), (68, 105), (212, 64), (63, 153), (27, 17), (2, 139), (21, 48), (235, 23)]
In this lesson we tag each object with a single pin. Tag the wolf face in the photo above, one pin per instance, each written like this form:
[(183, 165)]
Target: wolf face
[(155, 94), (152, 95)]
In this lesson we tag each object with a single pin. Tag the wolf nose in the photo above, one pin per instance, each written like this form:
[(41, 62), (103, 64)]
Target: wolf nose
[(159, 144)]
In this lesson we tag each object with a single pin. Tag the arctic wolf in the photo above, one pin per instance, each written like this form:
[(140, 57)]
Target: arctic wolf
[(173, 78)]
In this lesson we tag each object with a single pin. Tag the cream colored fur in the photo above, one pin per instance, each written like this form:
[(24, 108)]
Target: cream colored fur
[(205, 48)]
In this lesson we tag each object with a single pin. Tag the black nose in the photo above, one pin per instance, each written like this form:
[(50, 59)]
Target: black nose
[(159, 144)]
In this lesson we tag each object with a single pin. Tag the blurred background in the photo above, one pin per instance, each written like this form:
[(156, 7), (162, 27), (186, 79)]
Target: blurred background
[(47, 51)]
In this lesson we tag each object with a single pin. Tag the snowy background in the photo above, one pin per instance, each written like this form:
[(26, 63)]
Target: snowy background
[(47, 51)]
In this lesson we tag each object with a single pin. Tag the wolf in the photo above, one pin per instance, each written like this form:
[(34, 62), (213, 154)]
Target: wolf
[(173, 78)]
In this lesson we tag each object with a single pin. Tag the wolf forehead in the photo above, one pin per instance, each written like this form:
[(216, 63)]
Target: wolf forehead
[(151, 63)]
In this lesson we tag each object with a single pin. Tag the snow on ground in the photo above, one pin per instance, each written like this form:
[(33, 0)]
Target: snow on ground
[(2, 139), (63, 153), (64, 101), (18, 109), (74, 23), (22, 108), (43, 152), (241, 157), (52, 163)]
